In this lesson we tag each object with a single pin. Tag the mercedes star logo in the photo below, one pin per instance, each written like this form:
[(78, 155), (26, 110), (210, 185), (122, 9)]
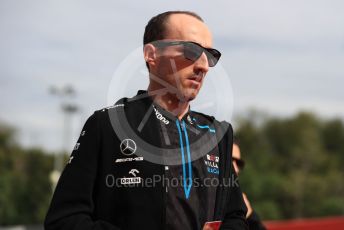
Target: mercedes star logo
[(128, 147)]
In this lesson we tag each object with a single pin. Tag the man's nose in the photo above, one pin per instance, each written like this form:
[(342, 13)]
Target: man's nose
[(201, 64)]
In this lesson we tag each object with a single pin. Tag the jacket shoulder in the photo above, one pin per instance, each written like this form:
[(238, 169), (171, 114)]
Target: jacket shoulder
[(120, 103), (210, 120), (203, 117)]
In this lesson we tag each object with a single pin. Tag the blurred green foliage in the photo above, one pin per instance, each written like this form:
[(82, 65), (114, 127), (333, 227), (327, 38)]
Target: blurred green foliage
[(294, 169), (294, 166), (25, 187)]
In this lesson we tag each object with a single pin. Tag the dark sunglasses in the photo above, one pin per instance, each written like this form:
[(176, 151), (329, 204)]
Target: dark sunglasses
[(240, 163), (192, 50)]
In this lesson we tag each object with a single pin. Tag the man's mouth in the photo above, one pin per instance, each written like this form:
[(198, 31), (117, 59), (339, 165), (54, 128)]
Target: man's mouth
[(197, 77)]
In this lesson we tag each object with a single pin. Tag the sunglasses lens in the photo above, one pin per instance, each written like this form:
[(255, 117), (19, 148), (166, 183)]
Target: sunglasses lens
[(213, 56), (192, 51), (240, 163)]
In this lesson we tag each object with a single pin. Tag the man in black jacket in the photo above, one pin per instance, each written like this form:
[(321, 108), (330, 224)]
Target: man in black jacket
[(149, 162)]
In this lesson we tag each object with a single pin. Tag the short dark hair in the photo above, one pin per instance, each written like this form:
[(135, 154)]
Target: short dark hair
[(236, 141), (155, 29)]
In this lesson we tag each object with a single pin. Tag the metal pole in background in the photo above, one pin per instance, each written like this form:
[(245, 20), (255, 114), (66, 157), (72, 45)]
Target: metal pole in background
[(65, 93)]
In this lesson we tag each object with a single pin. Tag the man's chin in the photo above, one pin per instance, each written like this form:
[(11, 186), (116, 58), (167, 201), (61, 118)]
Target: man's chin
[(191, 95)]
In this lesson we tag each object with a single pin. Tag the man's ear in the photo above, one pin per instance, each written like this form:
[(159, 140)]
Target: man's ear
[(149, 54)]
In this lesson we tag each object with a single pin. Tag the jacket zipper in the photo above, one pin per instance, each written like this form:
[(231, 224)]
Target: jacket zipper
[(187, 181)]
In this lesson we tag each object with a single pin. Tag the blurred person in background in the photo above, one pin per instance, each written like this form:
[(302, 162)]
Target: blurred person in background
[(253, 219)]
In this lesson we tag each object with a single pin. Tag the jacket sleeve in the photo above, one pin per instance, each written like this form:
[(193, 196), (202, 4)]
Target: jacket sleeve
[(235, 208), (254, 222), (235, 215), (72, 204)]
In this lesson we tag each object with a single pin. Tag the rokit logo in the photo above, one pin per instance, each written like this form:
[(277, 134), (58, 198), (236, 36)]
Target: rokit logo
[(212, 164), (160, 117), (213, 158), (131, 180)]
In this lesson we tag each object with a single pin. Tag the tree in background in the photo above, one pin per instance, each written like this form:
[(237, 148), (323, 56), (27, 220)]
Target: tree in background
[(25, 188), (293, 165)]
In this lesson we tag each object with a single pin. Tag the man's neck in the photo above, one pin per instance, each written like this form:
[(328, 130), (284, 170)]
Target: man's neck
[(170, 102)]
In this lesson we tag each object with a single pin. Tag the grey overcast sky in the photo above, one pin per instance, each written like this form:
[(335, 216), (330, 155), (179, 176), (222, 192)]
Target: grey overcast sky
[(279, 56)]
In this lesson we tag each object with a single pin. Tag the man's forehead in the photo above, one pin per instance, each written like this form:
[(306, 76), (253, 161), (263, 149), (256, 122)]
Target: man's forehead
[(188, 28)]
